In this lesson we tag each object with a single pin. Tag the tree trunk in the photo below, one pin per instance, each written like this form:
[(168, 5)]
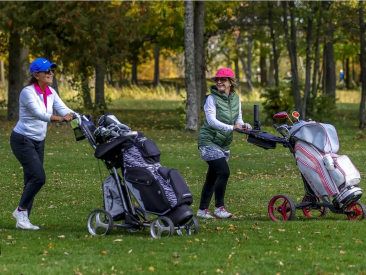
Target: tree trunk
[(85, 89), (2, 72), (156, 68), (203, 79), (237, 73), (271, 76), (24, 63), (263, 67), (363, 66), (199, 22), (120, 83), (309, 42), (189, 64), (292, 49), (134, 72), (314, 89), (348, 75), (99, 87), (330, 77), (14, 85), (249, 59), (273, 40)]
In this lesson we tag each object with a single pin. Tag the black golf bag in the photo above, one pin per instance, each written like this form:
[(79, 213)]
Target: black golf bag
[(157, 189)]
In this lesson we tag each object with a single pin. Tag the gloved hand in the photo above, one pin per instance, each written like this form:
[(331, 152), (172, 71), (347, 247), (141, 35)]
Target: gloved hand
[(247, 127)]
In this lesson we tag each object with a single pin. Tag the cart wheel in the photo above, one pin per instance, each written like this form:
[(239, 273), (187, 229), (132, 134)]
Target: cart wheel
[(281, 208), (100, 222), (359, 209), (161, 227), (142, 215), (189, 228), (317, 211)]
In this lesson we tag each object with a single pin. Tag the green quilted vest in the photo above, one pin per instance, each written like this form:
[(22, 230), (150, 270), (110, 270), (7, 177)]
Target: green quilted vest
[(227, 111)]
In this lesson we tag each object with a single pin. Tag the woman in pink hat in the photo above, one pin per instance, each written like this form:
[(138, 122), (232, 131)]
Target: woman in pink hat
[(223, 116)]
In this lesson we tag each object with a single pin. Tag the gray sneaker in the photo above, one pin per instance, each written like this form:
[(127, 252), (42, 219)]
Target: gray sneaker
[(23, 220), (206, 214), (220, 212)]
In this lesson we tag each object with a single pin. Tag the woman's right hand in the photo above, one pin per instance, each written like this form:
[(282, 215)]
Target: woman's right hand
[(237, 126)]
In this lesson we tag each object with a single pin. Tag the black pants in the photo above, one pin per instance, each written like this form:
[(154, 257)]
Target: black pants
[(216, 179), (30, 154)]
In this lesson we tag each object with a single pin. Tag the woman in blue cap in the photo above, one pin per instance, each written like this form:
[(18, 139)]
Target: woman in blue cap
[(36, 103)]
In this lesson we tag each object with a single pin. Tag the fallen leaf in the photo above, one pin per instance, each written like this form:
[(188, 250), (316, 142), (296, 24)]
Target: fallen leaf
[(51, 245), (118, 240), (151, 269), (281, 230), (130, 251), (281, 263), (104, 252), (61, 236), (351, 265), (342, 252)]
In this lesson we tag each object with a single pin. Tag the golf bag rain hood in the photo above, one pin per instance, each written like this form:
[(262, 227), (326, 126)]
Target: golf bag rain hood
[(322, 136)]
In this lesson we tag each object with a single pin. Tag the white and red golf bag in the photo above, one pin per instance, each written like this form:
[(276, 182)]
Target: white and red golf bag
[(328, 174)]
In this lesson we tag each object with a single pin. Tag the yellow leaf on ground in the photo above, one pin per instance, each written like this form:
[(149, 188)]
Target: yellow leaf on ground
[(151, 269), (342, 252)]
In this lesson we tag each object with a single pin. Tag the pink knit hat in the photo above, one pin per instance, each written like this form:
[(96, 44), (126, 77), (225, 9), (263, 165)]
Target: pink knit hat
[(224, 72)]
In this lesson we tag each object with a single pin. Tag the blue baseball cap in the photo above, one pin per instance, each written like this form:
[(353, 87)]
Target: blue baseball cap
[(40, 65)]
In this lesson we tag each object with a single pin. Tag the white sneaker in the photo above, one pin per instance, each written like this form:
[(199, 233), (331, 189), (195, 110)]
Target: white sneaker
[(221, 213), (206, 214), (23, 221)]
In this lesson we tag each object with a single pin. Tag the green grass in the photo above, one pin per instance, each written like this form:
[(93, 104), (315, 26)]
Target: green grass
[(250, 243)]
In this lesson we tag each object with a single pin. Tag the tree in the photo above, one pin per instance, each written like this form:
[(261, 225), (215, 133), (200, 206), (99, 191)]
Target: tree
[(292, 50), (191, 108), (363, 65), (200, 74)]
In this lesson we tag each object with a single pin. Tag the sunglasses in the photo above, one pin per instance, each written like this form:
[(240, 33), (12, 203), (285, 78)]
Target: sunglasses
[(221, 79), (49, 71)]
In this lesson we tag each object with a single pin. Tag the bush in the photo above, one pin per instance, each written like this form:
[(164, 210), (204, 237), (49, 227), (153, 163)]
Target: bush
[(277, 99)]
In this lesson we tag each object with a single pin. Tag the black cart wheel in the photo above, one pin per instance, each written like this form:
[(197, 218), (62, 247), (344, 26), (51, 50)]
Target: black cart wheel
[(189, 228), (100, 222), (359, 210), (161, 227), (281, 208), (314, 211)]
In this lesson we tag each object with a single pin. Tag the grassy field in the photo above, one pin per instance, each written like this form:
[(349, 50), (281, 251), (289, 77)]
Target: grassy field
[(249, 243)]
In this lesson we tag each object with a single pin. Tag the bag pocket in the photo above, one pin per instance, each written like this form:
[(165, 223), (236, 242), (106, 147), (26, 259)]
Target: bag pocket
[(180, 187), (112, 199), (147, 190), (348, 169), (149, 151)]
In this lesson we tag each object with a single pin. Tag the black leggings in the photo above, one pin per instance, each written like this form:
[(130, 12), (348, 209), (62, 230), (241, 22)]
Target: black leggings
[(216, 179), (30, 154)]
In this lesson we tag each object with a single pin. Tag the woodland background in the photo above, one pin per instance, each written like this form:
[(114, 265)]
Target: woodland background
[(289, 53)]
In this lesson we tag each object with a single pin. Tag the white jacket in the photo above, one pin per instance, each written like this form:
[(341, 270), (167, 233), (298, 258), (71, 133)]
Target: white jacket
[(33, 116)]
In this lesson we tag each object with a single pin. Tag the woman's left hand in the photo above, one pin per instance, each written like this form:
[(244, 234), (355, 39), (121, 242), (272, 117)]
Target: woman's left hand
[(67, 117)]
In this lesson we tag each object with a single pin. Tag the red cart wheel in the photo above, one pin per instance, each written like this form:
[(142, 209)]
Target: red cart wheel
[(359, 209), (281, 208), (310, 211)]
